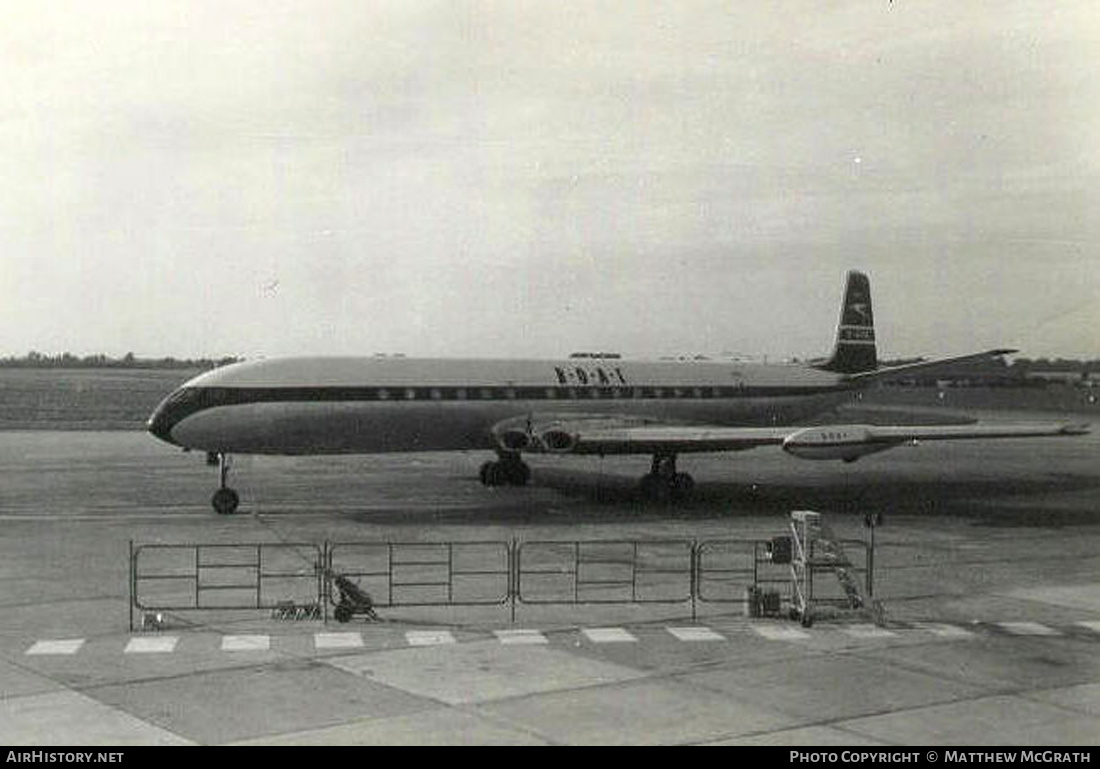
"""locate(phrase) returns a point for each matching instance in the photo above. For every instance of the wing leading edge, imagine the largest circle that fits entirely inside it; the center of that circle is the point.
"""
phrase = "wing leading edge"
(601, 435)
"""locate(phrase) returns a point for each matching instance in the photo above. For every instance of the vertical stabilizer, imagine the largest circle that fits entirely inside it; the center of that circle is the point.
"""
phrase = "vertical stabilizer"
(855, 350)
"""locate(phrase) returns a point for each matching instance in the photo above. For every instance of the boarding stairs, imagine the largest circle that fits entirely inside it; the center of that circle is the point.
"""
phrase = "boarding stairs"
(817, 549)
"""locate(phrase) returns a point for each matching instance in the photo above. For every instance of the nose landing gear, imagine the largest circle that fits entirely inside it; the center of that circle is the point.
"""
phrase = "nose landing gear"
(225, 500)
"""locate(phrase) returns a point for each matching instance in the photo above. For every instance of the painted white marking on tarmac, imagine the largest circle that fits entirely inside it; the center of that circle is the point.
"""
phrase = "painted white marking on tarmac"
(518, 637)
(867, 631)
(780, 633)
(1028, 628)
(164, 644)
(429, 637)
(943, 630)
(246, 643)
(1092, 625)
(337, 640)
(66, 646)
(608, 635)
(695, 634)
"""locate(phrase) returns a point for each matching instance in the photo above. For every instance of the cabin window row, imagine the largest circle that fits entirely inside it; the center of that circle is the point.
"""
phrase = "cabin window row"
(543, 393)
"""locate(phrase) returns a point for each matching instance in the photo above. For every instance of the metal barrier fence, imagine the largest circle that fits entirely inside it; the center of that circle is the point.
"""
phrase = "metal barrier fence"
(166, 577)
(257, 575)
(425, 573)
(604, 571)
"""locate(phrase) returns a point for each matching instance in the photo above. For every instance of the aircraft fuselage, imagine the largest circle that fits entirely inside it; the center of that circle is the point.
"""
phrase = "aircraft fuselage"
(370, 405)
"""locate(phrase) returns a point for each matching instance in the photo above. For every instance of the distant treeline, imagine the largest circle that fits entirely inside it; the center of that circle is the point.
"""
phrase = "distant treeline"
(35, 359)
(1057, 364)
(1017, 366)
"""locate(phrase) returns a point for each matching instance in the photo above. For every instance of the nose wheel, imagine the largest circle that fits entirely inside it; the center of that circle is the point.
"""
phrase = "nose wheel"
(225, 500)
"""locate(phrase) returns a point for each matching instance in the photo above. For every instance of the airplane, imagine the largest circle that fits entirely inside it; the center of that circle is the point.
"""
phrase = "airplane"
(592, 404)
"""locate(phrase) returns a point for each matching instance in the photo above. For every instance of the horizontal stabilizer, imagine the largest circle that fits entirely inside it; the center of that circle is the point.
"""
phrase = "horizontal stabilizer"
(926, 366)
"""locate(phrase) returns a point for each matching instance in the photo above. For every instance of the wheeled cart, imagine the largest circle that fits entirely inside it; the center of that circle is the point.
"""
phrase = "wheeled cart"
(353, 600)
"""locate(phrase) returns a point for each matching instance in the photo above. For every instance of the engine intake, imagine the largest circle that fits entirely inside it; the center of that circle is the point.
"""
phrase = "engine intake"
(558, 441)
(514, 440)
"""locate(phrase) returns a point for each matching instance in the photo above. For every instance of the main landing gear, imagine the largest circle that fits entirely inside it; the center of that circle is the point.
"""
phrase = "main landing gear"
(663, 483)
(225, 500)
(509, 470)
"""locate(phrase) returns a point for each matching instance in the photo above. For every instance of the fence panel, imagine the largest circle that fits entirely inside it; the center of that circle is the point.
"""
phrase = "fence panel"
(425, 573)
(725, 568)
(604, 571)
(260, 575)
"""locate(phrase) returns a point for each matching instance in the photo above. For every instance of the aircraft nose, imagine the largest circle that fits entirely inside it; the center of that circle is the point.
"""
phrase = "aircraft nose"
(164, 418)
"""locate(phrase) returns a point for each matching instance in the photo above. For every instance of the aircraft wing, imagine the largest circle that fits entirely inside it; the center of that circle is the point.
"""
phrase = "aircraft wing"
(658, 439)
(620, 435)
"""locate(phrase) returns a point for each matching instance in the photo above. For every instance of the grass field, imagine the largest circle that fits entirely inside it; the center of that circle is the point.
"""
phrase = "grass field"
(122, 399)
(83, 399)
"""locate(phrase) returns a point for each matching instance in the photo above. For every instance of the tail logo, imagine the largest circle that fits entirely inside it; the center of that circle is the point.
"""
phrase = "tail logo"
(857, 310)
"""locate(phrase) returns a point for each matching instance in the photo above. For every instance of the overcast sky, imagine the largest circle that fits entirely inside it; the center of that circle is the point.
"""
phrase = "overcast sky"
(532, 178)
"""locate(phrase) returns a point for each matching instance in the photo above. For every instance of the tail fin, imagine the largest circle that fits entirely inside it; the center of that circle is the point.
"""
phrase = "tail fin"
(855, 350)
